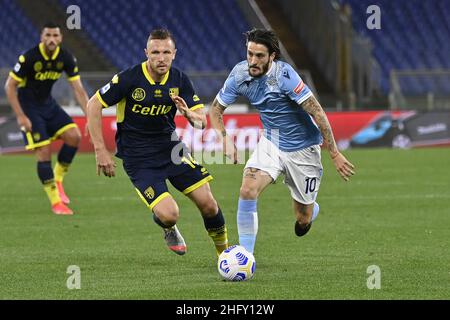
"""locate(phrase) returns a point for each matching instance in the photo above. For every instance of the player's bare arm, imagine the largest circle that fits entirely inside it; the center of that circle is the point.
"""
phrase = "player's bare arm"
(103, 158)
(11, 93)
(196, 118)
(81, 97)
(216, 117)
(343, 166)
(80, 94)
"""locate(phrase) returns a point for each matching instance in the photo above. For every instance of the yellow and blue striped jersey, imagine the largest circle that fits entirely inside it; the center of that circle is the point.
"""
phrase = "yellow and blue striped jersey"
(146, 112)
(37, 72)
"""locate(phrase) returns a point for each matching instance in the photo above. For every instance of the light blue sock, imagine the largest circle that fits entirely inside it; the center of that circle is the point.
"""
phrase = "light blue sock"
(247, 222)
(315, 211)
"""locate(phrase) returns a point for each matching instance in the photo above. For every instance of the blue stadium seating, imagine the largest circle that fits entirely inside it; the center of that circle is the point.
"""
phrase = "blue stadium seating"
(17, 33)
(415, 34)
(208, 33)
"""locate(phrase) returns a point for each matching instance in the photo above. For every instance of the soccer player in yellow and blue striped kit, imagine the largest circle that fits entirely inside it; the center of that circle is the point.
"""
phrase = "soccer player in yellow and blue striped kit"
(148, 96)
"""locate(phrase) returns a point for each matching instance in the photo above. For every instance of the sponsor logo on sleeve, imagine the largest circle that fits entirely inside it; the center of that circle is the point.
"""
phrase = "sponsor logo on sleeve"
(105, 88)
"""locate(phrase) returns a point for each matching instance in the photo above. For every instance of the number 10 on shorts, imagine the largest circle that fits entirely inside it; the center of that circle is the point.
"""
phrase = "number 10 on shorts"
(310, 185)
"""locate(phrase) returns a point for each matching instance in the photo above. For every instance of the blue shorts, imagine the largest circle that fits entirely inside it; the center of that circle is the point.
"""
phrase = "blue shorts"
(48, 121)
(150, 182)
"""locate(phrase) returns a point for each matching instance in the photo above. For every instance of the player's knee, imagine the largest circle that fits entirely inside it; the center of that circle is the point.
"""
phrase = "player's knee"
(73, 138)
(248, 193)
(209, 208)
(44, 153)
(169, 218)
(77, 137)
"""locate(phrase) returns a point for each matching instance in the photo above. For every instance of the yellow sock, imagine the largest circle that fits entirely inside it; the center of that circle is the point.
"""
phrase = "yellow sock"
(220, 238)
(60, 171)
(52, 192)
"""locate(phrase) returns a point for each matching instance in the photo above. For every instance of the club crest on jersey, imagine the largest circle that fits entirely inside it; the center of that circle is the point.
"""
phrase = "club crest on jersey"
(271, 81)
(174, 92)
(37, 66)
(59, 65)
(149, 192)
(138, 94)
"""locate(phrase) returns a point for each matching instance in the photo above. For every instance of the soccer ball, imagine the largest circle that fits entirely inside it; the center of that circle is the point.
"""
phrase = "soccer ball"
(236, 264)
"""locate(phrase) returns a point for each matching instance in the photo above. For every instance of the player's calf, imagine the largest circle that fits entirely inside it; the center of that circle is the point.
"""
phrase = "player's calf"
(217, 230)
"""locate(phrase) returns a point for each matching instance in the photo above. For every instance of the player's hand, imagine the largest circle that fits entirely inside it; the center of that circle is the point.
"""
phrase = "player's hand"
(343, 166)
(230, 150)
(86, 130)
(24, 123)
(181, 105)
(105, 163)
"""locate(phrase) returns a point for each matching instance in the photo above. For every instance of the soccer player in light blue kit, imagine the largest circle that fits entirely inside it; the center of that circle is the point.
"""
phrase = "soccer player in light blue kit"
(291, 140)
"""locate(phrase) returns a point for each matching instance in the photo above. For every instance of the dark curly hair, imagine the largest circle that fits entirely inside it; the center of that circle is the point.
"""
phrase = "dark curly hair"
(265, 37)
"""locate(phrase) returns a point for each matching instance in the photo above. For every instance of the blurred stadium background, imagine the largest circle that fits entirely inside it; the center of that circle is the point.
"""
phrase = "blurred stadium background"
(403, 66)
(350, 66)
(381, 87)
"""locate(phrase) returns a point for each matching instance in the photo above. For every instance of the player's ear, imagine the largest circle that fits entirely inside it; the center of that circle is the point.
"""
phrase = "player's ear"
(272, 56)
(174, 54)
(146, 52)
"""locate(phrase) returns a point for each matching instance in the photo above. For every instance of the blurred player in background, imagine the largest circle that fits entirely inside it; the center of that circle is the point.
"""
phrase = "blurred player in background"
(291, 141)
(42, 120)
(148, 96)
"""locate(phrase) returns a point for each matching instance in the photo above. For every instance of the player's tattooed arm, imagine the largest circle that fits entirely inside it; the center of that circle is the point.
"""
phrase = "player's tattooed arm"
(216, 117)
(216, 114)
(313, 107)
(343, 166)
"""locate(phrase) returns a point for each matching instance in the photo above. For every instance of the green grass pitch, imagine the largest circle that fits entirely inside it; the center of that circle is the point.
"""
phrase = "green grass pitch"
(395, 214)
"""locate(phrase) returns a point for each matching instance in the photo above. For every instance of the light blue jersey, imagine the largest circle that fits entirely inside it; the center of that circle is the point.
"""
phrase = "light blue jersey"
(277, 96)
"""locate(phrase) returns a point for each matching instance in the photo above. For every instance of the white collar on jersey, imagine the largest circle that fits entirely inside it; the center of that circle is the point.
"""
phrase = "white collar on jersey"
(272, 69)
